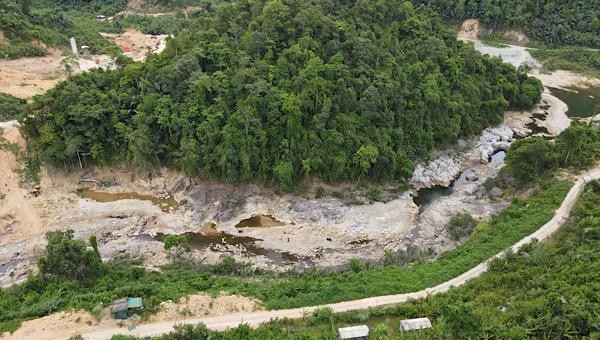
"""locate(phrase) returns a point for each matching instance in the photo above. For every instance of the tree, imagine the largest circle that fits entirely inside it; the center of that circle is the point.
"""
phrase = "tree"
(529, 158)
(69, 258)
(462, 320)
(365, 156)
(579, 145)
(69, 64)
(276, 91)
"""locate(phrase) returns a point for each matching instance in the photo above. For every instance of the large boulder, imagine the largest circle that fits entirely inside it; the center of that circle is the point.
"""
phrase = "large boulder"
(438, 172)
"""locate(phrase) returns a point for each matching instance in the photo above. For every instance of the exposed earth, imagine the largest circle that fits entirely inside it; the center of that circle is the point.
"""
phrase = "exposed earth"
(64, 324)
(136, 44)
(27, 77)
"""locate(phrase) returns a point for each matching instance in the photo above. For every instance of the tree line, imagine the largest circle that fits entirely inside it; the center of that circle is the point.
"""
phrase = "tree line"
(265, 90)
(555, 22)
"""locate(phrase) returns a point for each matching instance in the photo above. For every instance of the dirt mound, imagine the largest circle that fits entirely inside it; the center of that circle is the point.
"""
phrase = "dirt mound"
(204, 305)
(26, 77)
(19, 217)
(469, 30)
(136, 44)
(62, 325)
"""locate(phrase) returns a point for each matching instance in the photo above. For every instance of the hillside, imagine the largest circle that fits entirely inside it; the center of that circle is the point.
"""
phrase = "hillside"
(29, 27)
(265, 90)
(549, 22)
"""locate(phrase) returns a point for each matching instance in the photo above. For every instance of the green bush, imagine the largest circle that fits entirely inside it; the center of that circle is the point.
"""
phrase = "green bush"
(177, 241)
(20, 49)
(69, 258)
(461, 225)
(320, 192)
(320, 315)
(12, 108)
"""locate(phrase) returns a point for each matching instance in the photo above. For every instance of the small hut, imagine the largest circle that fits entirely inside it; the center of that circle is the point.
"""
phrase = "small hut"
(354, 333)
(414, 324)
(123, 308)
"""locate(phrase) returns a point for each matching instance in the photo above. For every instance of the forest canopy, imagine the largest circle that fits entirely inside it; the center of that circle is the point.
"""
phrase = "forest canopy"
(555, 22)
(285, 90)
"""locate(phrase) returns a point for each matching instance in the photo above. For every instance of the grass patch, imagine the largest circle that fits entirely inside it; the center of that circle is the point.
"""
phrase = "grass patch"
(578, 59)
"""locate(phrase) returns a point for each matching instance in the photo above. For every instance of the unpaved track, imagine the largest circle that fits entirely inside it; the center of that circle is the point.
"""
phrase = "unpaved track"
(256, 318)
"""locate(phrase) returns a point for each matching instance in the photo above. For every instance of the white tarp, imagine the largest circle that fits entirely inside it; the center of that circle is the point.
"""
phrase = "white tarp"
(353, 332)
(415, 324)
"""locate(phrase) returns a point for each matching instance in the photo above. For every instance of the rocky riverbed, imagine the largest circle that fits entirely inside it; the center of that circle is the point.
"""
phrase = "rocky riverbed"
(128, 213)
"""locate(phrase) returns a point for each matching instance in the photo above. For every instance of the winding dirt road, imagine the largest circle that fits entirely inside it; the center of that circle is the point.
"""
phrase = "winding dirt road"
(256, 318)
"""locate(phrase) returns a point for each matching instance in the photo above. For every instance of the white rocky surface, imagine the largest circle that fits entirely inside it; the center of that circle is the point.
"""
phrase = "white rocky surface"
(438, 172)
(494, 139)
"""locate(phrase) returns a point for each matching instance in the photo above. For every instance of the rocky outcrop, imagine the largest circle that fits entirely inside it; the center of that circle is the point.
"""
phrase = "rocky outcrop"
(445, 169)
(494, 139)
(438, 172)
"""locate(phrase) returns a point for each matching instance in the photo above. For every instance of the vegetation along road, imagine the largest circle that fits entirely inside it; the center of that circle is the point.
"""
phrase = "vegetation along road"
(256, 318)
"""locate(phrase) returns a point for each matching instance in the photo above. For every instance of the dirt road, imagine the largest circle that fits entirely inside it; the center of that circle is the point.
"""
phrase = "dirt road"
(256, 318)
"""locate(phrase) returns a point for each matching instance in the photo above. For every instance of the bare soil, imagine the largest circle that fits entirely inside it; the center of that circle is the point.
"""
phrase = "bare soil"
(26, 77)
(136, 44)
(565, 79)
(64, 324)
(469, 29)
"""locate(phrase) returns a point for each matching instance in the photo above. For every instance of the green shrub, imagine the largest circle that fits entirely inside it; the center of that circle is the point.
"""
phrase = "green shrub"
(20, 50)
(375, 195)
(12, 108)
(461, 225)
(355, 265)
(69, 258)
(177, 241)
(321, 315)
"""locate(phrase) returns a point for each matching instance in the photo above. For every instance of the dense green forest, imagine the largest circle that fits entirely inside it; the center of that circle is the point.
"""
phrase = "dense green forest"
(26, 25)
(545, 291)
(268, 90)
(555, 22)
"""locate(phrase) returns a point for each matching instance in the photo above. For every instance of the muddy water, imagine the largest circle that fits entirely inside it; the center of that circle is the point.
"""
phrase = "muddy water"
(259, 221)
(582, 103)
(202, 241)
(165, 204)
(426, 196)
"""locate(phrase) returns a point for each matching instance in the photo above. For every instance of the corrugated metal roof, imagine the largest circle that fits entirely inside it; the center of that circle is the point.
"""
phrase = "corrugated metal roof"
(135, 303)
(119, 305)
(353, 332)
(414, 324)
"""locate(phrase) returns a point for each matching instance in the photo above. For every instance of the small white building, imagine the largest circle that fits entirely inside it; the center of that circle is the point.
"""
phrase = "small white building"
(414, 324)
(354, 333)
